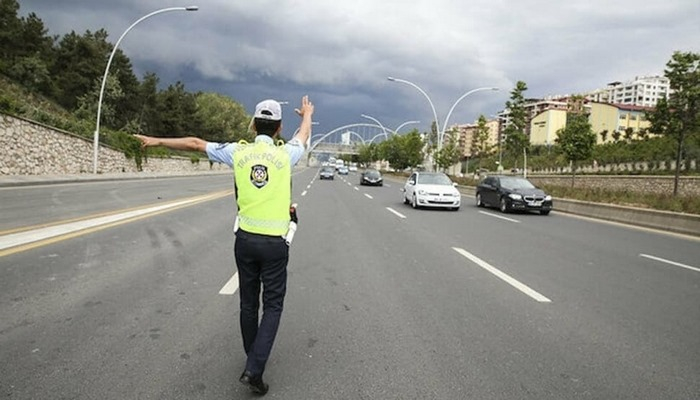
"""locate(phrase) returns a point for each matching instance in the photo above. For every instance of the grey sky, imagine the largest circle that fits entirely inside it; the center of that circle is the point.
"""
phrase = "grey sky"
(340, 53)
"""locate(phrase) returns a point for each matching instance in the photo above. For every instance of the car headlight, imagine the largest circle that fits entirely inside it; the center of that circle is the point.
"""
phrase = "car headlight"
(515, 196)
(421, 191)
(547, 198)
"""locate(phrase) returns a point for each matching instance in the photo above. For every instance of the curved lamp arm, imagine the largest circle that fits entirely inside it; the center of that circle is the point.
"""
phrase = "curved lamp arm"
(109, 62)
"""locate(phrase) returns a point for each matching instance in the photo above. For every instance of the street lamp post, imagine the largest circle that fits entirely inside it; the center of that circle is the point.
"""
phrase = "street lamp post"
(432, 106)
(386, 135)
(104, 78)
(441, 135)
(404, 124)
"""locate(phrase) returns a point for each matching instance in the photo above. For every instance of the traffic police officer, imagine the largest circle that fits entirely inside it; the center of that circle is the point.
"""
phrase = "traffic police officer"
(262, 176)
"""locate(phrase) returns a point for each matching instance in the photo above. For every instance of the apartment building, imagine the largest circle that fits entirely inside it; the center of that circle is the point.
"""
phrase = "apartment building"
(605, 119)
(534, 107)
(464, 135)
(644, 91)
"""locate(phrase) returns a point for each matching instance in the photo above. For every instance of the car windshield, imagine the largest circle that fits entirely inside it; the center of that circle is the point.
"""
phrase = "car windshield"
(516, 183)
(327, 169)
(434, 179)
(372, 173)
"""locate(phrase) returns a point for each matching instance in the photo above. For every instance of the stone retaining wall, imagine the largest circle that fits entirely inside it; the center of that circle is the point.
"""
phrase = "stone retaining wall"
(31, 148)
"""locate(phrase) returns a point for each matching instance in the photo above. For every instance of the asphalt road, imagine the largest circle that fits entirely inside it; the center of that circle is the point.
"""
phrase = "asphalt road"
(383, 302)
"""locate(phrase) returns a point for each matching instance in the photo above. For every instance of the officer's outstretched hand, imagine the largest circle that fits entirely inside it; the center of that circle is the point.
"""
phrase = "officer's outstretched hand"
(307, 108)
(147, 141)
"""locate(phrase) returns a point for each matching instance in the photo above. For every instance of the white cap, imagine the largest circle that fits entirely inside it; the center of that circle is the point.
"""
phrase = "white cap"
(268, 109)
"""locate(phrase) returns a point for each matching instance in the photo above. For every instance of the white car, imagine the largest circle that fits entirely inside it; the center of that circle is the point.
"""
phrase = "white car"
(431, 189)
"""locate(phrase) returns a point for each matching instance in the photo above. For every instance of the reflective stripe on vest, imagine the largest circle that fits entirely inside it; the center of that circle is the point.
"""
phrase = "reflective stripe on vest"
(262, 173)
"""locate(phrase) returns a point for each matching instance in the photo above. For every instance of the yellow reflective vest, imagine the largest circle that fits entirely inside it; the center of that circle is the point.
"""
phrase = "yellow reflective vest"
(263, 178)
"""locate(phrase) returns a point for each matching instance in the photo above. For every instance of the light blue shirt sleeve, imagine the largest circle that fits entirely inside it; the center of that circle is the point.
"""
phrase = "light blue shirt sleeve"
(221, 152)
(295, 149)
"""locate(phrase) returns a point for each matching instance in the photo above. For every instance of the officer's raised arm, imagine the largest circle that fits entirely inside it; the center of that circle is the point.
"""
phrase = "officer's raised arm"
(305, 112)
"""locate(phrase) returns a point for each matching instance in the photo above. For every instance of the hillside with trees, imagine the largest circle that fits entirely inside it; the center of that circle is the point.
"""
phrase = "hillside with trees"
(56, 80)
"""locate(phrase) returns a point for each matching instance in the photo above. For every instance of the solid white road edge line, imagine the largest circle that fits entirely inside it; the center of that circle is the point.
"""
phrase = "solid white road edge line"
(670, 262)
(500, 216)
(35, 235)
(231, 286)
(398, 214)
(502, 275)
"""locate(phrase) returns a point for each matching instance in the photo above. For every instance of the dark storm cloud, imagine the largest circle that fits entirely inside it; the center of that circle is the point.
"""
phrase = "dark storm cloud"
(341, 53)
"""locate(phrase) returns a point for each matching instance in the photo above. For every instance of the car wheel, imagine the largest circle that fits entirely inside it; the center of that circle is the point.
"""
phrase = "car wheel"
(504, 205)
(544, 212)
(405, 200)
(478, 200)
(414, 201)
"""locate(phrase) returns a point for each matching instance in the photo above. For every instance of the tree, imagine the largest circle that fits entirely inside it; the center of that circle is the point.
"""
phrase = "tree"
(480, 140)
(515, 133)
(402, 151)
(576, 141)
(25, 49)
(176, 109)
(616, 135)
(679, 116)
(447, 156)
(10, 32)
(80, 60)
(367, 153)
(223, 120)
(87, 103)
(146, 116)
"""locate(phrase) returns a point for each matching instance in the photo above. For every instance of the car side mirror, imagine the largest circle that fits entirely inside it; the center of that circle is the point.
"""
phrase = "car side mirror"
(454, 184)
(402, 189)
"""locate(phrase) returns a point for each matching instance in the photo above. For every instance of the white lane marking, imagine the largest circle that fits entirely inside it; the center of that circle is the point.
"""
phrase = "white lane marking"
(368, 196)
(391, 210)
(231, 286)
(670, 262)
(356, 188)
(303, 193)
(35, 235)
(500, 216)
(387, 185)
(349, 184)
(308, 186)
(502, 275)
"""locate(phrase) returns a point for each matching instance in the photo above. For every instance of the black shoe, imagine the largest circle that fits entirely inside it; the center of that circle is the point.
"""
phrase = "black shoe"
(256, 385)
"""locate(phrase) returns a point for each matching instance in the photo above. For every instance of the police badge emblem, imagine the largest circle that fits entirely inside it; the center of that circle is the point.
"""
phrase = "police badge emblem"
(258, 175)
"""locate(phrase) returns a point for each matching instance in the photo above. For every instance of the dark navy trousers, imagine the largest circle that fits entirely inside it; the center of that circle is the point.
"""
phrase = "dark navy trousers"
(260, 259)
